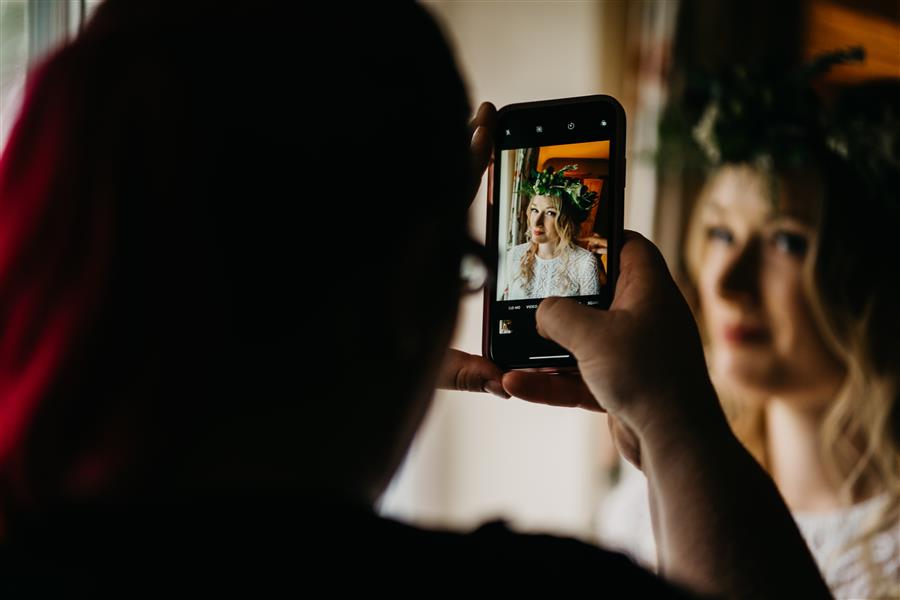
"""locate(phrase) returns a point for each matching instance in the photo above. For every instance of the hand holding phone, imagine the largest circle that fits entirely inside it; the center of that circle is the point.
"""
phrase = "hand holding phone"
(554, 220)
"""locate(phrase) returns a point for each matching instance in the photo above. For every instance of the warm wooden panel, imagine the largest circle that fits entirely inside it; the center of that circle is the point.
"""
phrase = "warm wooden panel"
(833, 25)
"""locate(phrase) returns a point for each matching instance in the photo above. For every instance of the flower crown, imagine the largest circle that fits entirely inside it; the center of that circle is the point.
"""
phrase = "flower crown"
(763, 115)
(571, 191)
(774, 118)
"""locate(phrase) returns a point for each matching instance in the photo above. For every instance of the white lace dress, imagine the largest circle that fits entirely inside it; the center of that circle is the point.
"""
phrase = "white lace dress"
(572, 273)
(829, 536)
(623, 523)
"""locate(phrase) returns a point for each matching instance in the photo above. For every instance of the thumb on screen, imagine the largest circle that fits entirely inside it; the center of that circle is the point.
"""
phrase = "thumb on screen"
(569, 324)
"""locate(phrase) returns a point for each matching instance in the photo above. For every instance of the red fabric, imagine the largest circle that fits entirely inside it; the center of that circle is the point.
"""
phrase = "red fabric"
(55, 239)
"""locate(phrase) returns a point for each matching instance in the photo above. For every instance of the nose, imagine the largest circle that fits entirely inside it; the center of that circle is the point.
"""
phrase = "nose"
(539, 220)
(739, 279)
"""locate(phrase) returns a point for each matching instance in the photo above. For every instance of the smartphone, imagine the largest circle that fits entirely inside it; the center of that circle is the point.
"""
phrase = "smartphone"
(554, 220)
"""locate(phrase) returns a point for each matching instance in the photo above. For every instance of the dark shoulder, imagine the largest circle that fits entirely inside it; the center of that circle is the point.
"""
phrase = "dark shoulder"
(299, 544)
(495, 553)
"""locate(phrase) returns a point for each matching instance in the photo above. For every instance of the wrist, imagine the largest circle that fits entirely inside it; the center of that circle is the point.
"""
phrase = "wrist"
(694, 421)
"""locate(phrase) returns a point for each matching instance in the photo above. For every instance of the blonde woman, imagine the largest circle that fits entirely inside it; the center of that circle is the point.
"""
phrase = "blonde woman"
(793, 270)
(550, 263)
(800, 367)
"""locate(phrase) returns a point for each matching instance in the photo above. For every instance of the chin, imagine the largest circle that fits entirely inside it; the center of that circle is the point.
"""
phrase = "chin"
(755, 375)
(749, 375)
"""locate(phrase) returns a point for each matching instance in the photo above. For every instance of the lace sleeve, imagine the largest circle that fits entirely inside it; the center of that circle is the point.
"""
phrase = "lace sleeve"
(588, 277)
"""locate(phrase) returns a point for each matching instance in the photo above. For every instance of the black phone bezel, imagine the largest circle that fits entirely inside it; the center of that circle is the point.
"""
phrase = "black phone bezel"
(516, 128)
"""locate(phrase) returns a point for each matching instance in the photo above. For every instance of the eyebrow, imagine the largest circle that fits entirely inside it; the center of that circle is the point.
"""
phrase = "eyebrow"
(714, 207)
(790, 212)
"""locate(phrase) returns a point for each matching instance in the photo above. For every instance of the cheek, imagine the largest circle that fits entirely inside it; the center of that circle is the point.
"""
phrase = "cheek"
(797, 332)
(788, 312)
(706, 289)
(799, 343)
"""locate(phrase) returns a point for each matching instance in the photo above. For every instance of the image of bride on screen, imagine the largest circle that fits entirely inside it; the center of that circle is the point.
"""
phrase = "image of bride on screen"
(549, 262)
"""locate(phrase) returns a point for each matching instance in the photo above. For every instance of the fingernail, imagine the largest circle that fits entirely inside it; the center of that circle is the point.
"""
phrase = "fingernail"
(478, 131)
(494, 387)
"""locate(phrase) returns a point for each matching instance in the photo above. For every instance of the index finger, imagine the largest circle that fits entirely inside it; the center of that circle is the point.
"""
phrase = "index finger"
(485, 116)
(566, 390)
(482, 144)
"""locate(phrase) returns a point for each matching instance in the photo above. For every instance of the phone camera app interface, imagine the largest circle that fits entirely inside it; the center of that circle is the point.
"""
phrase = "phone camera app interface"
(553, 231)
(552, 223)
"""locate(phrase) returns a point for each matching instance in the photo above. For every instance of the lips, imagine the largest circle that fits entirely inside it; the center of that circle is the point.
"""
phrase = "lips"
(537, 231)
(745, 334)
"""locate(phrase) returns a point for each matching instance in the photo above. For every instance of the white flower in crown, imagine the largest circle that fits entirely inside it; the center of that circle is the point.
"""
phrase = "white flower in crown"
(704, 133)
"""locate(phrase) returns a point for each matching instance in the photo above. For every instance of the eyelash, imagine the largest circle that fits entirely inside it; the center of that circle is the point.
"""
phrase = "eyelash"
(550, 213)
(785, 241)
(719, 233)
(792, 243)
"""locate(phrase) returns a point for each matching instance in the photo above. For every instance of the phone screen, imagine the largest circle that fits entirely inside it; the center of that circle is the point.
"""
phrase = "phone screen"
(555, 221)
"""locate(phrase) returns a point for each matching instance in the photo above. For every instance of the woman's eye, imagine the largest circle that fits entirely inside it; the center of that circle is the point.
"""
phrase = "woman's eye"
(721, 234)
(790, 243)
(551, 213)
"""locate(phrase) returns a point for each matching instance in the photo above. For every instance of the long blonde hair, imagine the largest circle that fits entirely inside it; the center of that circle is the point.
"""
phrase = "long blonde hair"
(849, 282)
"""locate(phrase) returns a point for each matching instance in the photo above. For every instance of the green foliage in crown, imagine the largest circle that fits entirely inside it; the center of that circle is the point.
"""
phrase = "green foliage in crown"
(575, 196)
(772, 117)
(752, 115)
